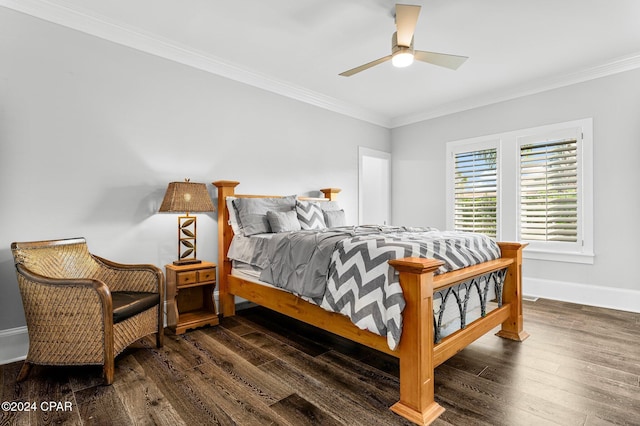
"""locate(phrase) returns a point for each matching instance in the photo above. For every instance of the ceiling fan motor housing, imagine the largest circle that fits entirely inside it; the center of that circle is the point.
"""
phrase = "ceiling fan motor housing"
(395, 48)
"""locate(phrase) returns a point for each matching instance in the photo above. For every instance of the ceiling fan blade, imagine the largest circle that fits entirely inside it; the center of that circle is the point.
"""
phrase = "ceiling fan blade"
(406, 20)
(356, 70)
(441, 59)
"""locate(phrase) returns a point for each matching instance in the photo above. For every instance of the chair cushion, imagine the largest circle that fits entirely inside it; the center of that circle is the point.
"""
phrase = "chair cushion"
(129, 303)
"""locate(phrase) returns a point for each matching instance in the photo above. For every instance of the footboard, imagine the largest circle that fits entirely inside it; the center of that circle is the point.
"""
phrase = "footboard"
(418, 354)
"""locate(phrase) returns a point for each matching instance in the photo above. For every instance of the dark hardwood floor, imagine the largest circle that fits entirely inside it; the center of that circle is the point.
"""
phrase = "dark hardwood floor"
(581, 366)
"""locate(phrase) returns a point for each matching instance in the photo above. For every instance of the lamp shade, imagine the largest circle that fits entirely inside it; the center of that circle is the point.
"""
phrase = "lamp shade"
(186, 197)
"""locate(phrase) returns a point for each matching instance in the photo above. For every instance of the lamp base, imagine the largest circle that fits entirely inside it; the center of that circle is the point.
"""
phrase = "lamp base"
(186, 262)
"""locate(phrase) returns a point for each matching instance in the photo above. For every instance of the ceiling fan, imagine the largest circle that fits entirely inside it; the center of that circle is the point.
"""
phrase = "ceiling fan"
(402, 52)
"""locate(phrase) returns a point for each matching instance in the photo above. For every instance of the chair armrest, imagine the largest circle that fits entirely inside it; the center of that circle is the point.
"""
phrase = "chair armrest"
(76, 314)
(75, 291)
(131, 277)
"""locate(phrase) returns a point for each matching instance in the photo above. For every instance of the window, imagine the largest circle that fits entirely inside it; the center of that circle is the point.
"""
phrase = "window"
(549, 191)
(476, 185)
(531, 185)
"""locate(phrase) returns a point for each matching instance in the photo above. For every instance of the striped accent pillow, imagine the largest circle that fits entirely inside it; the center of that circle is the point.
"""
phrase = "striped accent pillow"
(310, 215)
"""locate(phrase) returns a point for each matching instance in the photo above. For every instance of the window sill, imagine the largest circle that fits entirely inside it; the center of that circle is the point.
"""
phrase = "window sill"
(559, 256)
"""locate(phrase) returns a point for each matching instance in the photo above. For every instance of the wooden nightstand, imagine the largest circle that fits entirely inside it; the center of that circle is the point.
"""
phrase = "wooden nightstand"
(190, 301)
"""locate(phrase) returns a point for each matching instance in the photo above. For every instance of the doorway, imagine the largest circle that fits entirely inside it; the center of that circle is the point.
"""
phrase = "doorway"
(374, 187)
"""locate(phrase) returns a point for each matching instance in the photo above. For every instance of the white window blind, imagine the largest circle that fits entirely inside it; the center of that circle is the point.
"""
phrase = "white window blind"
(475, 189)
(549, 191)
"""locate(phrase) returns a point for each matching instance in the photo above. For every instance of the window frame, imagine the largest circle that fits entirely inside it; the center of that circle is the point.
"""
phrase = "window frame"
(508, 174)
(465, 146)
(474, 186)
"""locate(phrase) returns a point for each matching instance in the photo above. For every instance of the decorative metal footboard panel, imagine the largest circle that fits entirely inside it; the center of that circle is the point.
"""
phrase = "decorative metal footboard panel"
(462, 293)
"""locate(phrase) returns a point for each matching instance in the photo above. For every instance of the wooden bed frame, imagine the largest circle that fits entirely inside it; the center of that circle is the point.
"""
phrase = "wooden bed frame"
(418, 354)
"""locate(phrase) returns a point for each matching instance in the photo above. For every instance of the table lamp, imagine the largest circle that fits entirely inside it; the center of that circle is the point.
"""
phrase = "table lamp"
(186, 197)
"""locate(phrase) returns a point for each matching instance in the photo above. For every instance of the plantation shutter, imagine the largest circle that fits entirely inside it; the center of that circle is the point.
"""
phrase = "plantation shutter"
(475, 187)
(549, 191)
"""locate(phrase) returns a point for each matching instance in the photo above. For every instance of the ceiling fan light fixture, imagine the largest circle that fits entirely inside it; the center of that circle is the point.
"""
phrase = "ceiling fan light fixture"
(402, 52)
(402, 58)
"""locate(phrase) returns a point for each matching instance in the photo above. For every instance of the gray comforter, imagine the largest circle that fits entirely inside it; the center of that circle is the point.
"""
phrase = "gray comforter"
(299, 261)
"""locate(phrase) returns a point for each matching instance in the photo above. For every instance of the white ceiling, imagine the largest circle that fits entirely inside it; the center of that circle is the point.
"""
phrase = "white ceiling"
(298, 47)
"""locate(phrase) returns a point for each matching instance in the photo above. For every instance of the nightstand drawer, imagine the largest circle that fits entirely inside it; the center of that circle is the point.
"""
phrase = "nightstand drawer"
(207, 275)
(190, 277)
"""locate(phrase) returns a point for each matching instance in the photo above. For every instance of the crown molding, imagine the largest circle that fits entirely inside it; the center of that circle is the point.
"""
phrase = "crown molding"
(102, 27)
(618, 65)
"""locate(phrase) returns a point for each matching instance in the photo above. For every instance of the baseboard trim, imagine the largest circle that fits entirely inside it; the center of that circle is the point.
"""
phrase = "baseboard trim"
(592, 295)
(14, 344)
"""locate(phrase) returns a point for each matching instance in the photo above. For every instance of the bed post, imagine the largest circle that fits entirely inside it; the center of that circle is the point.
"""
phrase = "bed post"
(226, 188)
(331, 193)
(416, 345)
(512, 328)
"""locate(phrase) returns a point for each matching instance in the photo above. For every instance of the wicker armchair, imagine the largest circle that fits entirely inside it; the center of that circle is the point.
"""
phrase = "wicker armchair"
(82, 309)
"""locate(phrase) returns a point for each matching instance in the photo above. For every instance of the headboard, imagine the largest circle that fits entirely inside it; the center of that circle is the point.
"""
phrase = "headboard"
(227, 188)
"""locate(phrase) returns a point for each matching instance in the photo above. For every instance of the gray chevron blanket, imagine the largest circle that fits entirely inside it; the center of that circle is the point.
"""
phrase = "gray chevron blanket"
(345, 269)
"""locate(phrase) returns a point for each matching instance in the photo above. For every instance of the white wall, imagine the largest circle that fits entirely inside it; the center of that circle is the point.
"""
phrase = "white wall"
(614, 104)
(92, 132)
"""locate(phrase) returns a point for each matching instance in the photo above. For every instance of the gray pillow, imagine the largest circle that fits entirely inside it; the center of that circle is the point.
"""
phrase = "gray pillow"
(310, 215)
(334, 218)
(233, 216)
(283, 221)
(252, 212)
